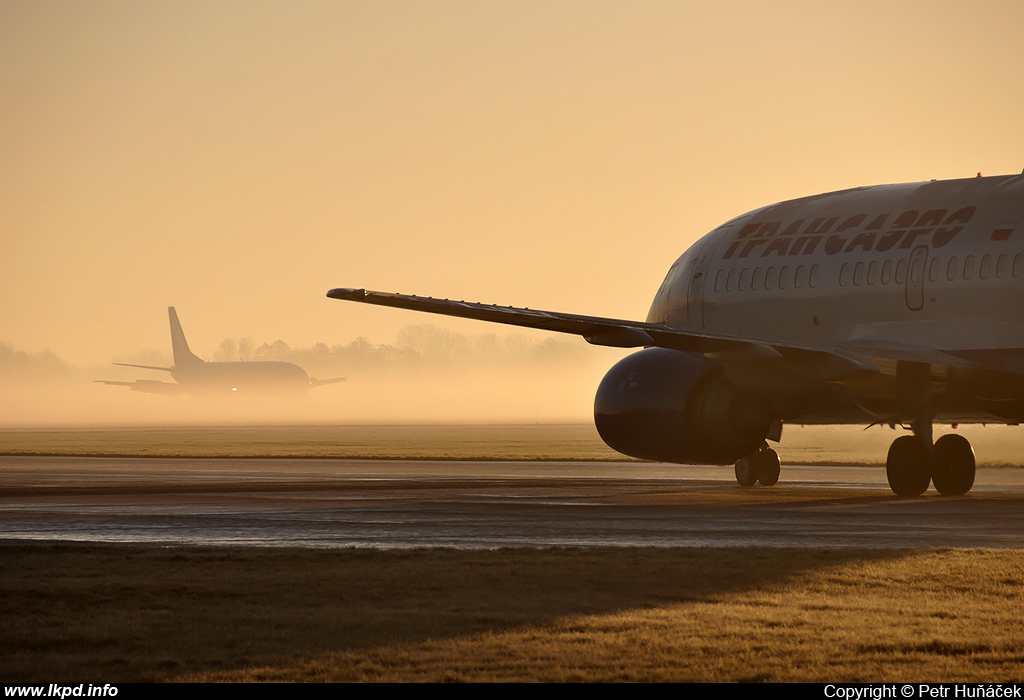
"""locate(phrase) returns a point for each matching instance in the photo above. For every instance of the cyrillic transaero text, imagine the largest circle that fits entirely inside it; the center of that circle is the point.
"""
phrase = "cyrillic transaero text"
(859, 232)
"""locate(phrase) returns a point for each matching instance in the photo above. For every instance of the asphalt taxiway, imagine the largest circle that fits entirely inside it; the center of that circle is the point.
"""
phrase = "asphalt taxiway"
(485, 504)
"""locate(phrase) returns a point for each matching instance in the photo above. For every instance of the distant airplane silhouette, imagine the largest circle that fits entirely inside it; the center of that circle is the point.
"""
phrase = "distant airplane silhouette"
(195, 376)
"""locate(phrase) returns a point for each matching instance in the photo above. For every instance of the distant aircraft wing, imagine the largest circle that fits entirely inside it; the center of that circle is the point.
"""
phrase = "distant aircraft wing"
(313, 381)
(819, 363)
(148, 386)
(162, 369)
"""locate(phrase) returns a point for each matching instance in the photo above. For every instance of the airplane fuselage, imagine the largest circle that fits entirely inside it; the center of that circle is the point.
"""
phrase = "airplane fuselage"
(937, 266)
(241, 377)
(843, 265)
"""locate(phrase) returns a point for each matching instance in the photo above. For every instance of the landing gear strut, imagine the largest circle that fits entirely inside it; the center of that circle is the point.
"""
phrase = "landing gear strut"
(762, 466)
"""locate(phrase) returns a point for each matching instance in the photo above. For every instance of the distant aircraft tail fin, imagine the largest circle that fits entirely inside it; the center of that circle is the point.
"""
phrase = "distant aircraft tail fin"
(182, 355)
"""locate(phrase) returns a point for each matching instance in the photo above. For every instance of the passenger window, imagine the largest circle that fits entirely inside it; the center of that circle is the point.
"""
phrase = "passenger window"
(872, 272)
(951, 269)
(755, 281)
(844, 275)
(744, 278)
(718, 281)
(933, 269)
(968, 267)
(784, 277)
(1018, 264)
(1001, 264)
(901, 272)
(769, 278)
(886, 272)
(986, 267)
(798, 278)
(812, 281)
(858, 274)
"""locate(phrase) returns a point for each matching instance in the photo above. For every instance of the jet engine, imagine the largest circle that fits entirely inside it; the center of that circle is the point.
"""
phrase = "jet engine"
(673, 406)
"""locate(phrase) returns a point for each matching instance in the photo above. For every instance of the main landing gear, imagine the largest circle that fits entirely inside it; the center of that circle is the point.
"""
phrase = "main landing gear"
(761, 467)
(913, 462)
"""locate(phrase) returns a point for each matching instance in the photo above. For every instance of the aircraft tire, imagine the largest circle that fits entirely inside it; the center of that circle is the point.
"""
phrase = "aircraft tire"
(953, 465)
(746, 470)
(769, 467)
(907, 466)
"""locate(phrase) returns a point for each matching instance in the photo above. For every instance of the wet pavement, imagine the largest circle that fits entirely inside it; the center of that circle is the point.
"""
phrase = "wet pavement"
(487, 504)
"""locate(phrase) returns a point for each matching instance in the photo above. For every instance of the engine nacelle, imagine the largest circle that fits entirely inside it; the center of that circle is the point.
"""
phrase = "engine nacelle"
(673, 406)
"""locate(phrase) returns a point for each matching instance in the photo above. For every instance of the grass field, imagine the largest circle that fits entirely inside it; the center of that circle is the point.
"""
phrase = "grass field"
(570, 442)
(97, 613)
(124, 613)
(995, 445)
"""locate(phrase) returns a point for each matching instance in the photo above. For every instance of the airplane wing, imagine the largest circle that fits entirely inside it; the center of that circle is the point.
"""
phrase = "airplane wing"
(313, 381)
(148, 386)
(162, 369)
(812, 362)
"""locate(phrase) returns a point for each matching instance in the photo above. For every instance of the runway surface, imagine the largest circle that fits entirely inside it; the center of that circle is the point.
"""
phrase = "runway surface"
(466, 504)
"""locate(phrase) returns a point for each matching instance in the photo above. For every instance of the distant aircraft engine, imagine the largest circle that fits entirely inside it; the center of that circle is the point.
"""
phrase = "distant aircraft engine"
(672, 406)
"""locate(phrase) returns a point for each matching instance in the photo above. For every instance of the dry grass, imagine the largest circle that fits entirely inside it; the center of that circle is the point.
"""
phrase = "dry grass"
(122, 613)
(821, 445)
(568, 442)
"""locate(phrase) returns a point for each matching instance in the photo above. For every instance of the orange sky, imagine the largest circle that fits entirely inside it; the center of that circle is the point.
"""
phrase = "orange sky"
(238, 159)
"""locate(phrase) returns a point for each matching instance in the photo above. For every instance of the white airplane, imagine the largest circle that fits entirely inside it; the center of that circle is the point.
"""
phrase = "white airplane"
(893, 304)
(193, 375)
